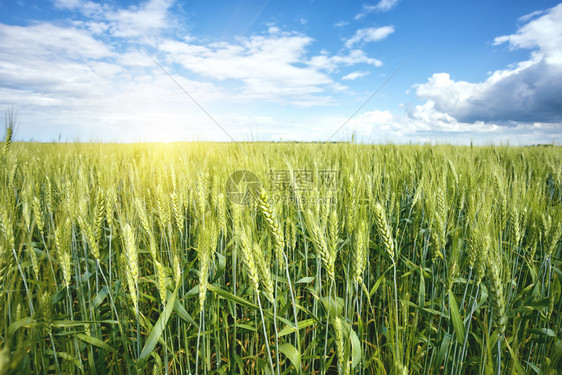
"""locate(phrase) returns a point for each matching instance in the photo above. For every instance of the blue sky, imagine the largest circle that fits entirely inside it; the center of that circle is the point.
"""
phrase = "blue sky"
(480, 71)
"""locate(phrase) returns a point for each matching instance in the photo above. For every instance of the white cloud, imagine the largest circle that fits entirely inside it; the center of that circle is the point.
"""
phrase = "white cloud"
(80, 81)
(354, 75)
(381, 6)
(371, 34)
(144, 20)
(63, 80)
(84, 81)
(264, 64)
(273, 67)
(385, 5)
(424, 123)
(134, 58)
(543, 34)
(531, 15)
(331, 63)
(86, 7)
(54, 65)
(528, 92)
(40, 40)
(380, 121)
(67, 4)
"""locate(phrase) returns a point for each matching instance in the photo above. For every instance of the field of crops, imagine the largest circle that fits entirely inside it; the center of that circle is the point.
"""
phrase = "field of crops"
(280, 258)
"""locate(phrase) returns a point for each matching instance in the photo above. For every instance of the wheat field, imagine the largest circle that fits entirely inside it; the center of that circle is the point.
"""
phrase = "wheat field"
(318, 259)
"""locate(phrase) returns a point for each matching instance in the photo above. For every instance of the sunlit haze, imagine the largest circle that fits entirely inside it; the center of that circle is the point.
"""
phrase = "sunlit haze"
(442, 72)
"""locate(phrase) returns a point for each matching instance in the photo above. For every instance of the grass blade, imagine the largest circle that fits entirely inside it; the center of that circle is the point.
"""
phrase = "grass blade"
(292, 353)
(456, 318)
(159, 327)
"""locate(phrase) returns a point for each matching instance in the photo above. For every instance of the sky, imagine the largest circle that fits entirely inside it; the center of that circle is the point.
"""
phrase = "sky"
(383, 71)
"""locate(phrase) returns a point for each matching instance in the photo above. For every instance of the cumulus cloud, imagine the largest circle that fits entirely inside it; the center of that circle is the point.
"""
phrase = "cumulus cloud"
(381, 6)
(371, 34)
(65, 80)
(49, 60)
(377, 120)
(542, 34)
(529, 91)
(423, 123)
(93, 76)
(428, 123)
(273, 67)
